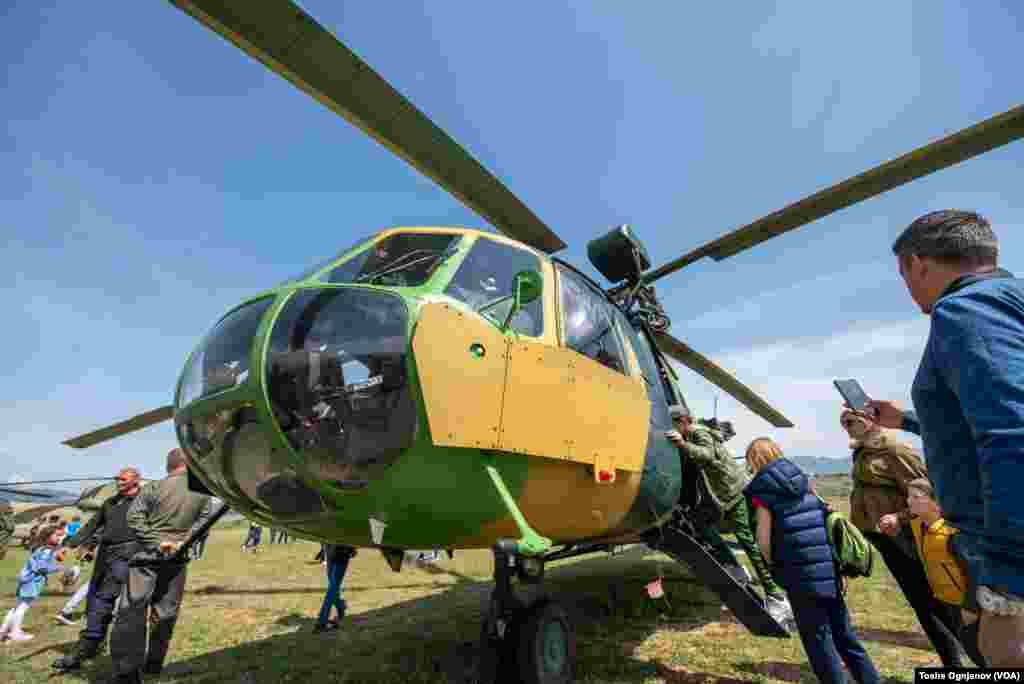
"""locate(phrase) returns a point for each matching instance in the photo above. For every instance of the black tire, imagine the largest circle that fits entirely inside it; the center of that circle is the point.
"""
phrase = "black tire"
(546, 645)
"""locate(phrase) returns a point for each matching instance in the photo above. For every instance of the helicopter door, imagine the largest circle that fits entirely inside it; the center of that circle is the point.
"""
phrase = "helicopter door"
(461, 360)
(577, 402)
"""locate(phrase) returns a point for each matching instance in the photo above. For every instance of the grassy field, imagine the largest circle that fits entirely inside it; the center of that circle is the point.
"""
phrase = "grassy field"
(247, 619)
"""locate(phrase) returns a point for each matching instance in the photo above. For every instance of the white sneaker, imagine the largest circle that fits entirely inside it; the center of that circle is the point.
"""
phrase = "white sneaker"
(20, 636)
(64, 619)
(4, 629)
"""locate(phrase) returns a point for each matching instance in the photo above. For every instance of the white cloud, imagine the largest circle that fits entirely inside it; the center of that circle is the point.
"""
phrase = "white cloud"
(795, 376)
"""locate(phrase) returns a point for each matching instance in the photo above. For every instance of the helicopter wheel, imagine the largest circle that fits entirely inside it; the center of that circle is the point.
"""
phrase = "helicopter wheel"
(547, 645)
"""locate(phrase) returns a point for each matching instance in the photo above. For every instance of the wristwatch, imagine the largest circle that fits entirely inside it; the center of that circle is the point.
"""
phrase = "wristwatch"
(1000, 603)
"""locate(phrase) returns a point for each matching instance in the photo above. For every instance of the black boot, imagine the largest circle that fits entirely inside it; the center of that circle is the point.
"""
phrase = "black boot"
(133, 678)
(86, 649)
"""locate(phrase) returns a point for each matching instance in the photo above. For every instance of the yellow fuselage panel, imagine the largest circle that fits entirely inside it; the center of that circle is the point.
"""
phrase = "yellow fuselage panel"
(537, 401)
(568, 415)
(561, 404)
(561, 501)
(461, 363)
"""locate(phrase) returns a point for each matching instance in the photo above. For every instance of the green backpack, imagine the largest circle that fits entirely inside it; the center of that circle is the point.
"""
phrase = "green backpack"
(853, 553)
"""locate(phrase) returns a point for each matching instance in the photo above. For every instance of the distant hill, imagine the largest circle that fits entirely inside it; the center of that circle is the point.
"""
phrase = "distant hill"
(823, 466)
(58, 495)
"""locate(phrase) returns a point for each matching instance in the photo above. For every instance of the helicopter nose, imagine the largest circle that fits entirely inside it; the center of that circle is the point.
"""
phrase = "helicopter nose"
(337, 406)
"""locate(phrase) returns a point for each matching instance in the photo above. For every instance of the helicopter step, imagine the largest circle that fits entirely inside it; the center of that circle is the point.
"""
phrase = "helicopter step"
(747, 607)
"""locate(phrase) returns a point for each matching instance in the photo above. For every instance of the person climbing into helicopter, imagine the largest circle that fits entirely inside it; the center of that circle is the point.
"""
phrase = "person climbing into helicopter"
(721, 505)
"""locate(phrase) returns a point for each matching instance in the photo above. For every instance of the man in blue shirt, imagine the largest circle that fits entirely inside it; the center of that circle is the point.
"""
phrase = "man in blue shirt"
(969, 400)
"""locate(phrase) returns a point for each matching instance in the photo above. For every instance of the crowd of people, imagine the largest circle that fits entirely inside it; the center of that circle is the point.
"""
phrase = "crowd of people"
(137, 581)
(950, 532)
(946, 525)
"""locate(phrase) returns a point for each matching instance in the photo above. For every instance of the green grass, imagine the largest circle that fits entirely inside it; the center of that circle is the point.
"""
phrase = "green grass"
(247, 618)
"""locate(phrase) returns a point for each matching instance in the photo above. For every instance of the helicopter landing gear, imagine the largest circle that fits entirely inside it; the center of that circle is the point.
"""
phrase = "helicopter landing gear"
(521, 641)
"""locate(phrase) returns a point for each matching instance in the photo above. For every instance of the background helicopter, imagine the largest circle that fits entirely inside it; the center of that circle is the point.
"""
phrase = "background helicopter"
(37, 503)
(506, 224)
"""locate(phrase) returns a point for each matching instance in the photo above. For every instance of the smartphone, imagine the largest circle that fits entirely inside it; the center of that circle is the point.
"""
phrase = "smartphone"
(853, 394)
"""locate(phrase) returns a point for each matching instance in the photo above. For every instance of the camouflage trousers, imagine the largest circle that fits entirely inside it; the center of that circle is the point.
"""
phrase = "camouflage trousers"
(740, 520)
(159, 589)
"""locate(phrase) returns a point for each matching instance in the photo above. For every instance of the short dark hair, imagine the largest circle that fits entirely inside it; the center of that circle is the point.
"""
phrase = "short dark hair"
(952, 236)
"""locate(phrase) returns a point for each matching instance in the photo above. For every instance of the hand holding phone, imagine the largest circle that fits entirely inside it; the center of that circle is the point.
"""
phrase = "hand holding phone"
(854, 395)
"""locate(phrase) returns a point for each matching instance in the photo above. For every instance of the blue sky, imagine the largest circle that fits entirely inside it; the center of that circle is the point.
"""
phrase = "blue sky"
(151, 176)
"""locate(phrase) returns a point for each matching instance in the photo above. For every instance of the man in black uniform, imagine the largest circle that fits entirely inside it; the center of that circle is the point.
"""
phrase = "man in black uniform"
(110, 572)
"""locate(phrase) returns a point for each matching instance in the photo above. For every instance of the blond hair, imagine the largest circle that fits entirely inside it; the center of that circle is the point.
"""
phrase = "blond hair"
(924, 486)
(761, 452)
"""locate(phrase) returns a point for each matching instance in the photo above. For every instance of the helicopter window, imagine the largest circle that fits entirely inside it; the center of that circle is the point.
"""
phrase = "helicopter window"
(399, 260)
(484, 282)
(320, 265)
(222, 360)
(587, 322)
(337, 383)
(648, 366)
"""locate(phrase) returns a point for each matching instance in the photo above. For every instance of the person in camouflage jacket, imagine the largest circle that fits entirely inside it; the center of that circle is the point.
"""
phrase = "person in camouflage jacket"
(882, 469)
(720, 481)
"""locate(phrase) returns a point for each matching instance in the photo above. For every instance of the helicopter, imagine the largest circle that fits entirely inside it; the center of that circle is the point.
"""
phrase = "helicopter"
(27, 520)
(439, 387)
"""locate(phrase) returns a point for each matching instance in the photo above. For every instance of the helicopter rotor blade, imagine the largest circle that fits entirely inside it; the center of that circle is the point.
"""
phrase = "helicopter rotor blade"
(291, 43)
(143, 420)
(994, 132)
(709, 370)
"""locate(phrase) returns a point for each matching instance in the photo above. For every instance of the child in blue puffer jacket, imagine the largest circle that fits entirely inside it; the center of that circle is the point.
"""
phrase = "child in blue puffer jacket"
(792, 537)
(31, 580)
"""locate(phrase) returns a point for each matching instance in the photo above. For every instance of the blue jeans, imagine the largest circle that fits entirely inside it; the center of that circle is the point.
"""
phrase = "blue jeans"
(827, 636)
(336, 570)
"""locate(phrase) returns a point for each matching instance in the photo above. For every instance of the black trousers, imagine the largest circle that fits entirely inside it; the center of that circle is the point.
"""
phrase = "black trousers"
(940, 621)
(110, 573)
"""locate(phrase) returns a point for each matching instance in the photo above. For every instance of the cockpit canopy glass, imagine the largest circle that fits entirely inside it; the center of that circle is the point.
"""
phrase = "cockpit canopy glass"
(588, 321)
(320, 265)
(485, 279)
(399, 260)
(222, 360)
(337, 382)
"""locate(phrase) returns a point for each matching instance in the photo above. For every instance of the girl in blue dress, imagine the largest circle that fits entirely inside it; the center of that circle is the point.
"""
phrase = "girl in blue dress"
(43, 562)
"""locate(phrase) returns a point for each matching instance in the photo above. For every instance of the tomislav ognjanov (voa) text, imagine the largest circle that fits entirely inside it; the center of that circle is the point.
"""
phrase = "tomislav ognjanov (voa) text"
(956, 674)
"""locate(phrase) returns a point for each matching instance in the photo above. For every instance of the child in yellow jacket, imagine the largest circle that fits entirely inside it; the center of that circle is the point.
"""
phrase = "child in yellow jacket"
(944, 570)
